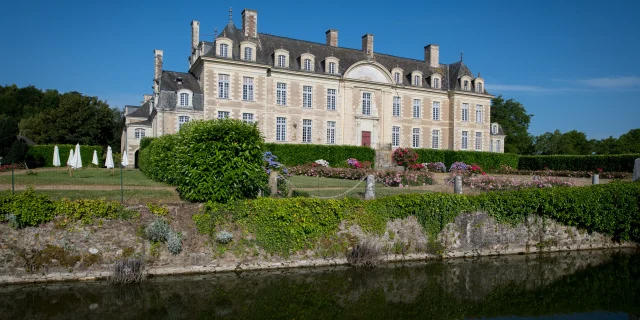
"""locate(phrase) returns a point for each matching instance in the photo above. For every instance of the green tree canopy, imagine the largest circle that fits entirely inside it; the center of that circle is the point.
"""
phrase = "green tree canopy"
(572, 142)
(513, 118)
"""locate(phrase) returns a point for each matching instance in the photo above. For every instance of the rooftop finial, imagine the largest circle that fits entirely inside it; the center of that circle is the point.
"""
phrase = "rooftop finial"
(461, 55)
(478, 74)
(230, 14)
(215, 33)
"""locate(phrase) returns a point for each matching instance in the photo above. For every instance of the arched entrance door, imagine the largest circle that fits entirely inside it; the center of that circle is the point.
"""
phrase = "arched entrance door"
(135, 159)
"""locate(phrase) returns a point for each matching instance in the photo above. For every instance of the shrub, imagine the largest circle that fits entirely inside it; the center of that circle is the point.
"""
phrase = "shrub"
(489, 183)
(145, 142)
(85, 210)
(28, 207)
(158, 230)
(608, 163)
(436, 167)
(301, 154)
(174, 243)
(158, 160)
(365, 254)
(224, 237)
(404, 156)
(42, 155)
(487, 160)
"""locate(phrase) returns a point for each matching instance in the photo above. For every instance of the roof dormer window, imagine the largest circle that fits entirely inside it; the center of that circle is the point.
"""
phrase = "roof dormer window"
(396, 77)
(331, 65)
(248, 50)
(281, 60)
(416, 77)
(436, 83)
(465, 85)
(494, 129)
(307, 64)
(248, 53)
(184, 98)
(479, 87)
(224, 50)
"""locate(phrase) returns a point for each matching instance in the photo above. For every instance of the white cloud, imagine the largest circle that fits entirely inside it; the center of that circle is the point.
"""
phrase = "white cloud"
(611, 82)
(525, 88)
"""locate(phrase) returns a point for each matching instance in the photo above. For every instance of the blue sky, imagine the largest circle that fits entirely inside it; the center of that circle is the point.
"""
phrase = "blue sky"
(573, 64)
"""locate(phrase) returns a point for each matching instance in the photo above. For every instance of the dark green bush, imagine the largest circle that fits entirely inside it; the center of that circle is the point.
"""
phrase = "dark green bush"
(158, 160)
(298, 154)
(145, 142)
(487, 160)
(42, 155)
(608, 163)
(285, 226)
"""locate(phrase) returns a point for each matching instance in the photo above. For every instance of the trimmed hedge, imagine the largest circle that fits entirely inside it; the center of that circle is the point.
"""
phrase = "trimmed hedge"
(299, 154)
(487, 160)
(217, 160)
(608, 163)
(42, 155)
(145, 142)
(285, 226)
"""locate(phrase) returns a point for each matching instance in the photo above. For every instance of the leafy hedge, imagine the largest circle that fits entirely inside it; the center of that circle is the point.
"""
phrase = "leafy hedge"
(145, 142)
(215, 160)
(42, 155)
(285, 226)
(609, 163)
(486, 160)
(30, 209)
(298, 154)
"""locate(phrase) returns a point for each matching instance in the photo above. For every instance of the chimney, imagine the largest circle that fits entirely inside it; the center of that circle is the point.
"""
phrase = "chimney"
(195, 34)
(432, 55)
(367, 44)
(332, 37)
(157, 69)
(250, 23)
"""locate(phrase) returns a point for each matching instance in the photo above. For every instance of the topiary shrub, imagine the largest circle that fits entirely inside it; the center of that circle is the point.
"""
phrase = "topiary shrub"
(224, 237)
(174, 243)
(158, 230)
(219, 160)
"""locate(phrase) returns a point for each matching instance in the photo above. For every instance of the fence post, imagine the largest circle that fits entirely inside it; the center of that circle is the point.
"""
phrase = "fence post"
(121, 186)
(273, 182)
(370, 191)
(595, 179)
(636, 170)
(13, 184)
(457, 186)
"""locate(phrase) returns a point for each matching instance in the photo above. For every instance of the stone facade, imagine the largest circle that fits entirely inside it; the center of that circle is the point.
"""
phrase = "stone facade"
(305, 92)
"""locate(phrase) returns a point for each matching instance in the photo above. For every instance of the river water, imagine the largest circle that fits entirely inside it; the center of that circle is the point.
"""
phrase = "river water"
(584, 285)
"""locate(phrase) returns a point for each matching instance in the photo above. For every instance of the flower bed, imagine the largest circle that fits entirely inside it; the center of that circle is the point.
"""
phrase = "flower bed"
(490, 183)
(390, 178)
(563, 173)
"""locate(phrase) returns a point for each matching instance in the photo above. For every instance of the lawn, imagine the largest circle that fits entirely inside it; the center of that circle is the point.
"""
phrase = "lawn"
(330, 187)
(130, 177)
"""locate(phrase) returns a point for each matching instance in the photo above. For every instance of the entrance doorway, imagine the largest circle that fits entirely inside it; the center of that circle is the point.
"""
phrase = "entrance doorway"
(135, 159)
(366, 139)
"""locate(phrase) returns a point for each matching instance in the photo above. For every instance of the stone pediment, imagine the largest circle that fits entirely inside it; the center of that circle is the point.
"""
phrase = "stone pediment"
(368, 71)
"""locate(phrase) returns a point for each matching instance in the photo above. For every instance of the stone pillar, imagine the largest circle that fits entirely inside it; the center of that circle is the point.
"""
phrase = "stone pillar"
(273, 182)
(370, 192)
(457, 185)
(636, 170)
(595, 179)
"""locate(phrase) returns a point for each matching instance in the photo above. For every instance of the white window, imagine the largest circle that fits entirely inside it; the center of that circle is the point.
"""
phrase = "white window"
(366, 103)
(435, 139)
(417, 105)
(223, 114)
(332, 67)
(247, 117)
(466, 85)
(465, 112)
(331, 99)
(139, 133)
(184, 99)
(248, 53)
(224, 50)
(478, 141)
(498, 146)
(281, 94)
(415, 141)
(491, 146)
(416, 80)
(331, 132)
(306, 130)
(396, 106)
(307, 96)
(307, 64)
(436, 110)
(223, 86)
(395, 136)
(396, 77)
(182, 120)
(436, 83)
(494, 129)
(282, 60)
(479, 113)
(247, 89)
(479, 87)
(281, 129)
(465, 140)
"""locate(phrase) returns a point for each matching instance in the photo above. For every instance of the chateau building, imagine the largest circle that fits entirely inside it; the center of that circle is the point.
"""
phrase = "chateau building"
(306, 92)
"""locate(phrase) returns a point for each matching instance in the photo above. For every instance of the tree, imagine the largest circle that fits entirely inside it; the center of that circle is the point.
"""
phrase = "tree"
(572, 142)
(513, 118)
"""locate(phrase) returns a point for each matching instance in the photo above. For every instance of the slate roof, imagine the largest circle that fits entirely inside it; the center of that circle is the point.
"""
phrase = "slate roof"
(500, 130)
(169, 82)
(267, 44)
(142, 111)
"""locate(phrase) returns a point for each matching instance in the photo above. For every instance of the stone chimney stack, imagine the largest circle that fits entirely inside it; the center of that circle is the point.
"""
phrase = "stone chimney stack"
(195, 34)
(432, 55)
(250, 23)
(332, 37)
(157, 69)
(367, 44)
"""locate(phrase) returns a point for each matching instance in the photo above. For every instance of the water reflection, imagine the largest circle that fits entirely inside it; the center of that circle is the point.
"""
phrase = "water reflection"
(587, 285)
